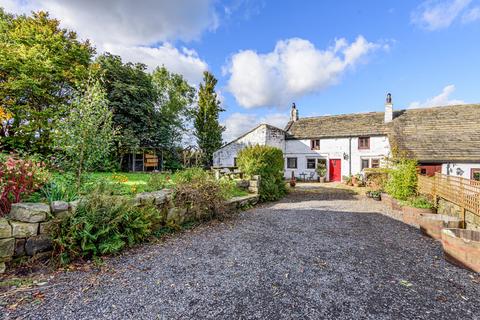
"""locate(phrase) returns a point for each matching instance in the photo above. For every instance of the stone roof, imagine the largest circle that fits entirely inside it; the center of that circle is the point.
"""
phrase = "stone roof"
(450, 133)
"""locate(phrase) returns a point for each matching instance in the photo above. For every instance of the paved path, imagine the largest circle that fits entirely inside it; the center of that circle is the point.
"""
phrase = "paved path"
(326, 255)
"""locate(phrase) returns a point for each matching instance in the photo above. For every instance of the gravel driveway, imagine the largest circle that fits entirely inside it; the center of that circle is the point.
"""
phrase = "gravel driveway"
(317, 254)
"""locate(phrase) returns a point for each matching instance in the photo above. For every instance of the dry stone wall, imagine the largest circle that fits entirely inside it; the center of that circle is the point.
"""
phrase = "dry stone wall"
(25, 231)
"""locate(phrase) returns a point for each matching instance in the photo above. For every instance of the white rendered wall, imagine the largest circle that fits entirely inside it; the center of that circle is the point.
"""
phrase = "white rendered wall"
(334, 148)
(263, 135)
(459, 169)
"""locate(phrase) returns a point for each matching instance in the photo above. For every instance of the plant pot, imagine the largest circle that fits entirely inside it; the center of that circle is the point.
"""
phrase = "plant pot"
(412, 215)
(432, 224)
(462, 247)
(377, 197)
(322, 179)
(293, 183)
(368, 194)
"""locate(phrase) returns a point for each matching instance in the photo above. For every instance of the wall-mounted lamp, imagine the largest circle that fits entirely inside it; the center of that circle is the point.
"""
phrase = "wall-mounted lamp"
(345, 156)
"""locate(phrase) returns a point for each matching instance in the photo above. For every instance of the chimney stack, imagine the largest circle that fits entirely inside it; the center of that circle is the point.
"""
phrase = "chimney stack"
(388, 109)
(294, 113)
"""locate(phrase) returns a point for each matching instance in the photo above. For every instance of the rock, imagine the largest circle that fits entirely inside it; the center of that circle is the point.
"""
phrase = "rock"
(5, 228)
(176, 215)
(24, 229)
(7, 247)
(3, 267)
(29, 212)
(156, 197)
(37, 244)
(19, 247)
(48, 227)
(59, 207)
(72, 207)
(244, 184)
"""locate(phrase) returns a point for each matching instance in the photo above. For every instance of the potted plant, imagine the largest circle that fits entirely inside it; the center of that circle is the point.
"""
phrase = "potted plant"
(293, 180)
(321, 172)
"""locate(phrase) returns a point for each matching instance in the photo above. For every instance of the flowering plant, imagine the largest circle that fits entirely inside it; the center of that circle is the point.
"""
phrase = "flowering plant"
(18, 178)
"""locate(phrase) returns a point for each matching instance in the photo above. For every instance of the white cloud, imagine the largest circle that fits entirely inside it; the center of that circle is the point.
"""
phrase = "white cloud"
(185, 62)
(140, 32)
(239, 123)
(443, 99)
(471, 15)
(440, 14)
(293, 69)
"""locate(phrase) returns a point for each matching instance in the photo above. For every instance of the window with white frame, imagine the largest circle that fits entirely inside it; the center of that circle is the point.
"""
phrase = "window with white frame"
(291, 163)
(311, 163)
(370, 163)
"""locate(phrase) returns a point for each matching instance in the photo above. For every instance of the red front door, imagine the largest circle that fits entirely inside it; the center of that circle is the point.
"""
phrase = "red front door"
(335, 169)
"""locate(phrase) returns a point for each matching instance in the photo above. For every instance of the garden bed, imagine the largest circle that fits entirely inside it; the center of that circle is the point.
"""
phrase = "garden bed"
(462, 247)
(432, 224)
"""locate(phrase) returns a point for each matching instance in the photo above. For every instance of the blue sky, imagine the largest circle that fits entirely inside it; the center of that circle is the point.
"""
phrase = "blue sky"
(328, 56)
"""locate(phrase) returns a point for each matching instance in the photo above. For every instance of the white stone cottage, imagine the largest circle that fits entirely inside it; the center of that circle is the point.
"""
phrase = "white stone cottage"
(442, 139)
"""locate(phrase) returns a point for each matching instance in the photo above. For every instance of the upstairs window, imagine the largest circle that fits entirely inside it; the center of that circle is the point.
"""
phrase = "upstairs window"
(315, 144)
(291, 163)
(364, 143)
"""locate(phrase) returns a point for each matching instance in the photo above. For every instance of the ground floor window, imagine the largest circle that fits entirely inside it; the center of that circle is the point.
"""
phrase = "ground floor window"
(475, 174)
(365, 163)
(311, 163)
(291, 163)
(234, 162)
(370, 163)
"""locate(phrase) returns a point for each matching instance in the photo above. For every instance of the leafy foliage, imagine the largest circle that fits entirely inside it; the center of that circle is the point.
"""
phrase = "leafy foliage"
(208, 130)
(41, 65)
(86, 134)
(18, 179)
(104, 224)
(402, 179)
(199, 192)
(418, 202)
(267, 162)
(60, 187)
(174, 97)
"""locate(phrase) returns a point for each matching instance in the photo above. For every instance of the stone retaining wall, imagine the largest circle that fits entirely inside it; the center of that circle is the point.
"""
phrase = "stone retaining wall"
(451, 209)
(25, 231)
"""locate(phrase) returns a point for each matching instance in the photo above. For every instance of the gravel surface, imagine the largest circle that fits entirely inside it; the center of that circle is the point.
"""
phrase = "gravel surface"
(316, 254)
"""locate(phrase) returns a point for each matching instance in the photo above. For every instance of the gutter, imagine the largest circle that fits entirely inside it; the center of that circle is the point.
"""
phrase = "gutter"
(350, 156)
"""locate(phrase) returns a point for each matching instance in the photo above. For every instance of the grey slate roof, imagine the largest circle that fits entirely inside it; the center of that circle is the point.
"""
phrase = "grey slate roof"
(439, 134)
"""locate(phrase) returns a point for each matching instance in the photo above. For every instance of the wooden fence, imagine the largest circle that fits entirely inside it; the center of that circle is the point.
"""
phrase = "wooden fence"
(463, 192)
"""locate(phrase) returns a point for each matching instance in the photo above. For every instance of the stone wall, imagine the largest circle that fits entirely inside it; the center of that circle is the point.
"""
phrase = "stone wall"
(451, 209)
(25, 231)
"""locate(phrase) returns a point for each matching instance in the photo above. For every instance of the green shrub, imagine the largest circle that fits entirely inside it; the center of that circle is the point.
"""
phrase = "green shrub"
(158, 181)
(402, 179)
(266, 162)
(57, 188)
(104, 224)
(420, 202)
(199, 192)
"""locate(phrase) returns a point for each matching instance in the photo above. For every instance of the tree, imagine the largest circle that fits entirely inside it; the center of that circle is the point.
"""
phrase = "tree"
(41, 65)
(86, 134)
(131, 97)
(172, 110)
(208, 130)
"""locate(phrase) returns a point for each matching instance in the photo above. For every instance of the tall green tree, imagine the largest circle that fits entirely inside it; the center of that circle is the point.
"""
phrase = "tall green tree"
(131, 97)
(173, 110)
(86, 134)
(208, 130)
(41, 65)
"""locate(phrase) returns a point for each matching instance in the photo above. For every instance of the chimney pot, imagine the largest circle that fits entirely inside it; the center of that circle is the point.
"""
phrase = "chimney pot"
(294, 113)
(388, 108)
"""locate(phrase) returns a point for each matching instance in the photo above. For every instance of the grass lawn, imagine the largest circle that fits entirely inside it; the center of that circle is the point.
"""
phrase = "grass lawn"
(135, 182)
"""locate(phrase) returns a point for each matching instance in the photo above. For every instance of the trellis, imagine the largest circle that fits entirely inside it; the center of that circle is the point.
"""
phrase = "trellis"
(465, 193)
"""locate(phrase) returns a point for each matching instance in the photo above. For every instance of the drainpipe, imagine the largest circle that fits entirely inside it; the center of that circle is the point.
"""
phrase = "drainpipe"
(350, 156)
